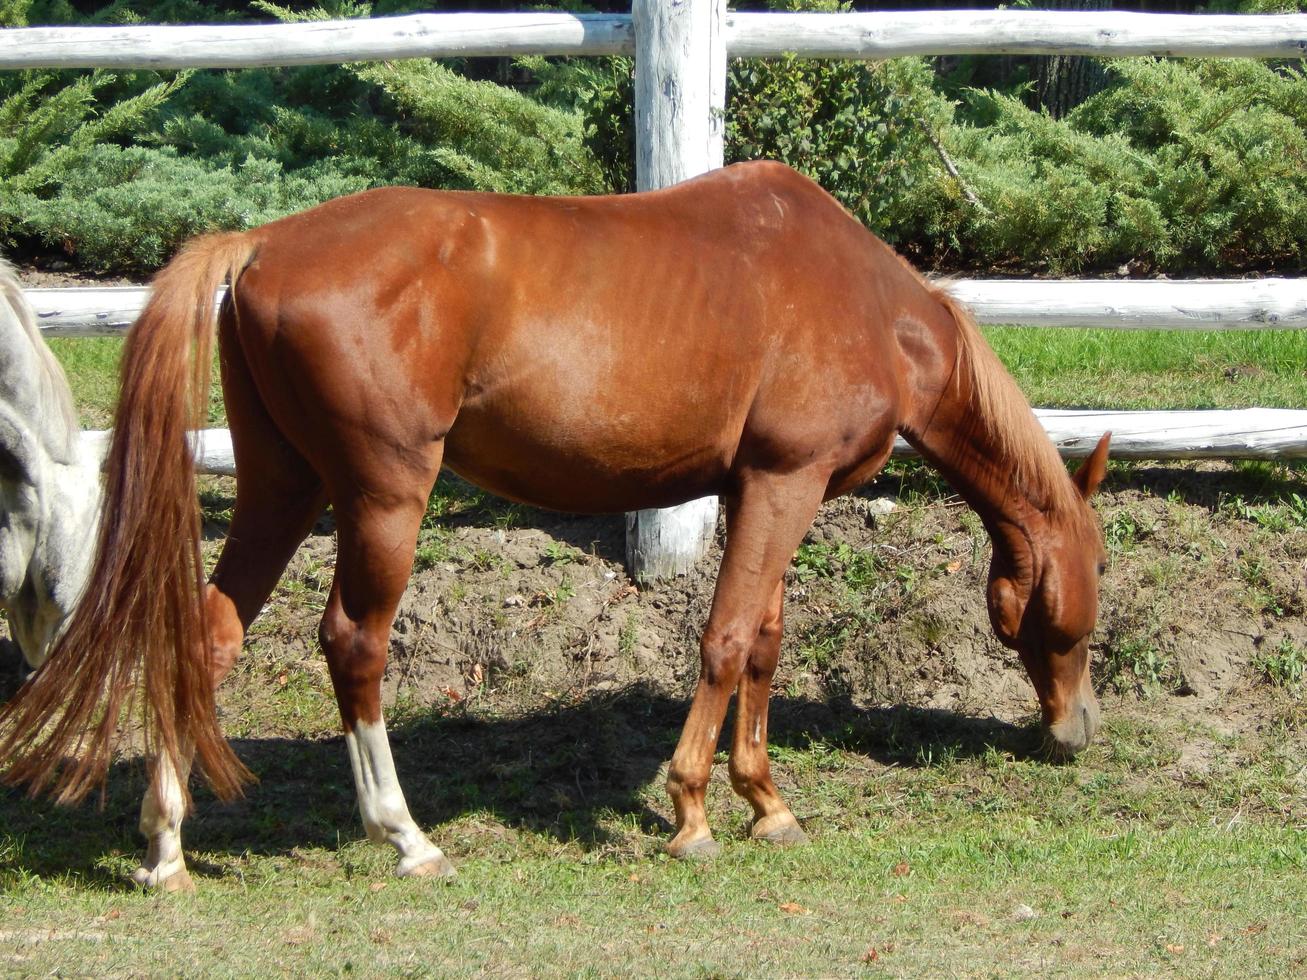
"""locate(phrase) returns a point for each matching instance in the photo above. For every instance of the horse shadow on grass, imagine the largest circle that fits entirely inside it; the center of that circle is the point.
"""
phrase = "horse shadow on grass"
(563, 772)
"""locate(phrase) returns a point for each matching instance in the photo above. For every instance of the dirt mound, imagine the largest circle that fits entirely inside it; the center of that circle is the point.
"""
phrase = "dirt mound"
(885, 604)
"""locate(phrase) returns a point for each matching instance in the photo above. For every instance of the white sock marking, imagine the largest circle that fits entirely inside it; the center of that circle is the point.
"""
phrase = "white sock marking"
(381, 801)
(162, 812)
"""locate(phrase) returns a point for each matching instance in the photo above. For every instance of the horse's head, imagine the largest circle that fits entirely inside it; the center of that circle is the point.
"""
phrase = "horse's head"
(47, 535)
(49, 485)
(1043, 603)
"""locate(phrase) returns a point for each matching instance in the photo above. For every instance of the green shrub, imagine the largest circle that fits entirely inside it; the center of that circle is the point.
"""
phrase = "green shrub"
(1182, 167)
(867, 132)
(116, 169)
(485, 136)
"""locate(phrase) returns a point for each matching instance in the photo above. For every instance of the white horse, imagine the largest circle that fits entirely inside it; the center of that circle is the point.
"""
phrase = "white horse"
(49, 483)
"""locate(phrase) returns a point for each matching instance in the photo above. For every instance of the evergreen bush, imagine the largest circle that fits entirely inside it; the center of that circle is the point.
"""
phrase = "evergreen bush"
(115, 170)
(1183, 167)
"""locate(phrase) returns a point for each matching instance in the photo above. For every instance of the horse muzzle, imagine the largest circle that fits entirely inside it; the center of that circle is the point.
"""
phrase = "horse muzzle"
(1076, 728)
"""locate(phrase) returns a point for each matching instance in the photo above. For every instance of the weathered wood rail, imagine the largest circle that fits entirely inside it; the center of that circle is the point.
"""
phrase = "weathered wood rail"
(1210, 304)
(876, 35)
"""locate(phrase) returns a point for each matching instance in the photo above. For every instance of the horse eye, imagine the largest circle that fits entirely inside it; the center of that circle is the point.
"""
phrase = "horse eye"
(1102, 567)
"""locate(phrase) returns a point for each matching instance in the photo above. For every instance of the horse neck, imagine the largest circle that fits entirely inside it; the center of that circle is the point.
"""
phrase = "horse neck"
(972, 423)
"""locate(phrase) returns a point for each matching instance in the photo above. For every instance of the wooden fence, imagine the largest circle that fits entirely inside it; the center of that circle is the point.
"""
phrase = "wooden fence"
(680, 49)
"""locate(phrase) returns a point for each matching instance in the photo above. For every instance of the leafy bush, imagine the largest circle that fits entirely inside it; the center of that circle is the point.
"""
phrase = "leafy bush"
(1180, 165)
(866, 132)
(117, 169)
(1177, 166)
(129, 208)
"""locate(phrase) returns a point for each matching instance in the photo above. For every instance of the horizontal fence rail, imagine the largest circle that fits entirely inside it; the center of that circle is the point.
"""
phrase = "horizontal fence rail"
(316, 43)
(1246, 433)
(1107, 34)
(1216, 304)
(1187, 304)
(867, 36)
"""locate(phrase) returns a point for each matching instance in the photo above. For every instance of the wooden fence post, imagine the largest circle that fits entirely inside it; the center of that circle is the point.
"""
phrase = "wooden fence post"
(680, 98)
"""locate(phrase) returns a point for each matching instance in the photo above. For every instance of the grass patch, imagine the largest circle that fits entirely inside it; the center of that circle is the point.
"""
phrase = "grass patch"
(1284, 666)
(1155, 369)
(91, 364)
(938, 849)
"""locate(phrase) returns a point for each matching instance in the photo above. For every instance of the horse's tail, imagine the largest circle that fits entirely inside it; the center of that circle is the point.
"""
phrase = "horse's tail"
(138, 639)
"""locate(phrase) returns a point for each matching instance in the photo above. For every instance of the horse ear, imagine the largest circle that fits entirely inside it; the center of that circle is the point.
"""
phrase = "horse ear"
(1091, 471)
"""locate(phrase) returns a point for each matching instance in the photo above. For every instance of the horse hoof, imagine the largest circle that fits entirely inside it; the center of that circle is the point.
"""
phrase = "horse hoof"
(702, 849)
(433, 867)
(178, 881)
(787, 834)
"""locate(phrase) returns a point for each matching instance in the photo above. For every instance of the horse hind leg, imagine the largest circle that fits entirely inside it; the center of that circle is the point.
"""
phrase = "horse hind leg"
(377, 534)
(766, 521)
(750, 768)
(276, 505)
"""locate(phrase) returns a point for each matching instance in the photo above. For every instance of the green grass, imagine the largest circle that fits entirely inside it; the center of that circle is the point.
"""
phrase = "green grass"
(1055, 367)
(1156, 368)
(91, 364)
(939, 848)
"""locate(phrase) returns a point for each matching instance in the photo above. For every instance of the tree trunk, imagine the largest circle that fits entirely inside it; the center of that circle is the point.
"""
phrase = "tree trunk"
(1062, 82)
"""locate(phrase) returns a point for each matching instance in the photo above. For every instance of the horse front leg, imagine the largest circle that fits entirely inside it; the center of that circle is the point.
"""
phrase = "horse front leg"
(749, 766)
(765, 522)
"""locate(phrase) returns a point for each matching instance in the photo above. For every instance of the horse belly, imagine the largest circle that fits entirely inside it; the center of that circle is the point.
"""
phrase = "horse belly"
(597, 461)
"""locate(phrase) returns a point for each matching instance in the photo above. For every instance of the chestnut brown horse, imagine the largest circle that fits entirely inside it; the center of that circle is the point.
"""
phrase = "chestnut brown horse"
(739, 335)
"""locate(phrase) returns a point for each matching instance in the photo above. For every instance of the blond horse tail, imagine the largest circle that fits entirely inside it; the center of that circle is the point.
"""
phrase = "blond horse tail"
(138, 639)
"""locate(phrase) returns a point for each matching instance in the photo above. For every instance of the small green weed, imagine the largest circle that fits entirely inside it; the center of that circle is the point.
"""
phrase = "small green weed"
(558, 553)
(1135, 660)
(216, 506)
(484, 560)
(1285, 666)
(1291, 514)
(813, 561)
(555, 597)
(629, 633)
(307, 586)
(855, 568)
(1123, 530)
(434, 547)
(1264, 593)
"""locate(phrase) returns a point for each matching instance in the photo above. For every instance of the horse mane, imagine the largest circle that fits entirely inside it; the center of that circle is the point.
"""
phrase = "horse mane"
(54, 399)
(1002, 413)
